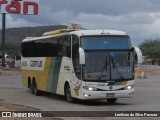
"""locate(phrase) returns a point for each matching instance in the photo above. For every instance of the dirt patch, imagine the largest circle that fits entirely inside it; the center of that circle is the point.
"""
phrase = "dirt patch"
(151, 70)
(146, 70)
(15, 107)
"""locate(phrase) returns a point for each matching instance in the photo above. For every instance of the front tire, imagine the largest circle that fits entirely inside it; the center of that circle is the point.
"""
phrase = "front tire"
(112, 100)
(68, 95)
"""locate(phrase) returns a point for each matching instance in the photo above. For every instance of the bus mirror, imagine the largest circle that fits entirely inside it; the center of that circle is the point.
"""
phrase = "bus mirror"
(132, 49)
(139, 55)
(81, 56)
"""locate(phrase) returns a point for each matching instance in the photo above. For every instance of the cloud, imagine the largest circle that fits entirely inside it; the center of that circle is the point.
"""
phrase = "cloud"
(108, 7)
(139, 18)
(12, 22)
(134, 24)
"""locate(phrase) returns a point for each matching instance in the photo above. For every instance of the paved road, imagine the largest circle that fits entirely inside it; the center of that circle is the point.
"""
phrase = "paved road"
(147, 97)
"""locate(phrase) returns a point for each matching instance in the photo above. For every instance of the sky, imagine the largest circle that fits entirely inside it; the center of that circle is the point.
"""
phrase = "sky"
(139, 18)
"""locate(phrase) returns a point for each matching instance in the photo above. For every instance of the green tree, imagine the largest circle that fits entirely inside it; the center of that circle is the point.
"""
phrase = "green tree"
(151, 49)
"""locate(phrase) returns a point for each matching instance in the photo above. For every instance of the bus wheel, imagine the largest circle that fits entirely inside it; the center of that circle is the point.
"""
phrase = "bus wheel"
(36, 92)
(31, 88)
(68, 94)
(112, 100)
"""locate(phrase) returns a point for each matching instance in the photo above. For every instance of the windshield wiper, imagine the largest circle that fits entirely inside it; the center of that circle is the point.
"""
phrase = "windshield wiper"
(105, 67)
(115, 67)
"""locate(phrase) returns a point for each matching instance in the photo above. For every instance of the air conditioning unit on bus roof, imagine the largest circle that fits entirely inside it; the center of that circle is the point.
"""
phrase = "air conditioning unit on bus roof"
(55, 32)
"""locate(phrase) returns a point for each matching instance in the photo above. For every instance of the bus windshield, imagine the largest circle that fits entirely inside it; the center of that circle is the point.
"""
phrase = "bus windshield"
(105, 60)
(105, 42)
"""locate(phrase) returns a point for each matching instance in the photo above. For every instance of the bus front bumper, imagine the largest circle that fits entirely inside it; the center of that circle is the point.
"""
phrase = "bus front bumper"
(107, 94)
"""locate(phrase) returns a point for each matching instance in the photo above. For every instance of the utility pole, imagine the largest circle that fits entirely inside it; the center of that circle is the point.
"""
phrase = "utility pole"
(3, 38)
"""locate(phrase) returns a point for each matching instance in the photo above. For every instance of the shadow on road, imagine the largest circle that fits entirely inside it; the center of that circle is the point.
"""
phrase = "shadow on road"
(81, 102)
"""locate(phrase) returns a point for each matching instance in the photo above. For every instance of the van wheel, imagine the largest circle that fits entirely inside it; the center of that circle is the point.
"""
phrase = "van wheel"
(112, 100)
(36, 91)
(68, 94)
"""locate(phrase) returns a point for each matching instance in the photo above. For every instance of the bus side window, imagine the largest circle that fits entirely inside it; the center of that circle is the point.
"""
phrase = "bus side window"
(75, 56)
(66, 46)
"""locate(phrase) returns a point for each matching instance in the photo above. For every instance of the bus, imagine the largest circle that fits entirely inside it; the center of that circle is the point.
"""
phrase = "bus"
(79, 64)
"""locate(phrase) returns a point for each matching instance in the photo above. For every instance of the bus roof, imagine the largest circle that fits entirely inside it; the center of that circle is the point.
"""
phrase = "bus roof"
(78, 33)
(98, 32)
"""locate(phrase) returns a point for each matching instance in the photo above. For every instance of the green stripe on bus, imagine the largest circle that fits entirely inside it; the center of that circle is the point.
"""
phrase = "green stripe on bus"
(117, 83)
(53, 74)
(113, 83)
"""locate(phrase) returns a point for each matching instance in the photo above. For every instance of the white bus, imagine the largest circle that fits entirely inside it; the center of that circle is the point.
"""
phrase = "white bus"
(79, 64)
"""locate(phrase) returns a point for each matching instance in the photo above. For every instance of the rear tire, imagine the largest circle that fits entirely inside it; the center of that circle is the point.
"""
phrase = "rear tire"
(31, 88)
(36, 91)
(112, 100)
(68, 95)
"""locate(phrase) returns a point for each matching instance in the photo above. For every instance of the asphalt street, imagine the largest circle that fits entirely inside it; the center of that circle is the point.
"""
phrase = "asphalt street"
(13, 94)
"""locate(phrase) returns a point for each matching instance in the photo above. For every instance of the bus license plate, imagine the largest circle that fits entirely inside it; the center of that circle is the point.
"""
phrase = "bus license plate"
(110, 95)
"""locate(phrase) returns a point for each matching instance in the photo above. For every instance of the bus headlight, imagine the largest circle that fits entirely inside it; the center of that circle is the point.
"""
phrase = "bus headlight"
(129, 87)
(89, 88)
